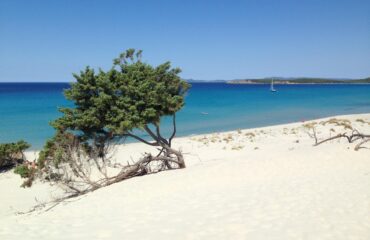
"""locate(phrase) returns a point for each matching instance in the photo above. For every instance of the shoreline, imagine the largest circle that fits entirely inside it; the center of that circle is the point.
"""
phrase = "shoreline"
(241, 184)
(229, 107)
(251, 128)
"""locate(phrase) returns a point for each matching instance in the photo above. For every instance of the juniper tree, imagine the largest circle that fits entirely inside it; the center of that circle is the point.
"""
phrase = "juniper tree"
(109, 105)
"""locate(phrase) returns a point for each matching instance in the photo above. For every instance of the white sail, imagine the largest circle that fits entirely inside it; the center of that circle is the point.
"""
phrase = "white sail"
(272, 89)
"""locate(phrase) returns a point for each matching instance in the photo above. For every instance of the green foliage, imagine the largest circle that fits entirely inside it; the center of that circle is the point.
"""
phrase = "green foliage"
(54, 149)
(49, 157)
(23, 170)
(27, 172)
(130, 95)
(12, 153)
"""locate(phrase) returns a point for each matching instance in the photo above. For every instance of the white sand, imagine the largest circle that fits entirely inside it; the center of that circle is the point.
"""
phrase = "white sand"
(263, 187)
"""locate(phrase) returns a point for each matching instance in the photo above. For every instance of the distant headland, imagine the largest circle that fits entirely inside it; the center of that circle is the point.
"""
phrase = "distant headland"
(281, 80)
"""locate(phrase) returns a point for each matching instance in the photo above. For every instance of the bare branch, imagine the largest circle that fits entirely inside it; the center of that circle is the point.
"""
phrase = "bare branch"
(141, 139)
(159, 134)
(329, 139)
(174, 129)
(359, 145)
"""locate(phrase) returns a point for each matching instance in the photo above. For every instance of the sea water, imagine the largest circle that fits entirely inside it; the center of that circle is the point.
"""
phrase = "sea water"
(26, 109)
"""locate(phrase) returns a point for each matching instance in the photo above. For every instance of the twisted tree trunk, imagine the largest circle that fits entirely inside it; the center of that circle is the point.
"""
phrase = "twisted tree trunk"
(171, 155)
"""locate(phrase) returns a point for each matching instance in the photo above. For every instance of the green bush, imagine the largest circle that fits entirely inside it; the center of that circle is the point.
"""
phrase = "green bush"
(52, 153)
(49, 157)
(29, 173)
(12, 153)
(23, 170)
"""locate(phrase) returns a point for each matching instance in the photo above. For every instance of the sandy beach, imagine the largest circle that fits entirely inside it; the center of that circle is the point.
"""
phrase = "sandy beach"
(263, 183)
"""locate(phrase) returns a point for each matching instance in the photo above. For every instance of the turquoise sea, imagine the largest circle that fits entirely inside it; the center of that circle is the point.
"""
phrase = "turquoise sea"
(27, 108)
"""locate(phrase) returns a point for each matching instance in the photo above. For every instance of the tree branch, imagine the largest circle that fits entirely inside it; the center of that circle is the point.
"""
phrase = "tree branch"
(331, 138)
(358, 146)
(159, 134)
(150, 132)
(174, 129)
(140, 139)
(355, 135)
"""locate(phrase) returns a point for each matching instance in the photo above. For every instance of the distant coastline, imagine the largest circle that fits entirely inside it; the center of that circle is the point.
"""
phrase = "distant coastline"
(279, 80)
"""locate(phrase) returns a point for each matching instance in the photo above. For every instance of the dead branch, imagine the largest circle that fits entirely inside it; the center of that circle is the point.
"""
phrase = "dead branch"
(359, 145)
(329, 139)
(351, 137)
(354, 136)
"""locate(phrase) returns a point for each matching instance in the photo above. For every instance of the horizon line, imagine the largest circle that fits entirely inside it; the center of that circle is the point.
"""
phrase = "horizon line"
(225, 80)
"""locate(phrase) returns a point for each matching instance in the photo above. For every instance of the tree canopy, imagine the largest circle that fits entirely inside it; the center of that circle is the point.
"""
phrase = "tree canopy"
(130, 95)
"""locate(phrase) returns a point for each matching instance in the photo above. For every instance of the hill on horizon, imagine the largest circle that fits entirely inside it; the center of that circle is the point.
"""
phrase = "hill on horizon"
(284, 80)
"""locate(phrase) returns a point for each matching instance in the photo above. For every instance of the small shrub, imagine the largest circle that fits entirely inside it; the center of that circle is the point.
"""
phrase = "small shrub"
(310, 125)
(250, 134)
(345, 123)
(23, 170)
(27, 172)
(12, 153)
(360, 120)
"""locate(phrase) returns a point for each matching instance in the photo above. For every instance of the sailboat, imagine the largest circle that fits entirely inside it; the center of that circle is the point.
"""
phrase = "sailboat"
(272, 89)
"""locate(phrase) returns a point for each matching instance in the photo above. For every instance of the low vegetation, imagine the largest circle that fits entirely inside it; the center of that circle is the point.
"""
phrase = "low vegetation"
(12, 154)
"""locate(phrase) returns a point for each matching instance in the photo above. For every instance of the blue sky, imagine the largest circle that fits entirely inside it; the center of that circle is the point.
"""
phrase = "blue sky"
(48, 40)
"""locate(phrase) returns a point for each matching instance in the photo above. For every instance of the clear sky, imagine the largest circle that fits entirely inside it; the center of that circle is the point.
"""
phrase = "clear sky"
(48, 40)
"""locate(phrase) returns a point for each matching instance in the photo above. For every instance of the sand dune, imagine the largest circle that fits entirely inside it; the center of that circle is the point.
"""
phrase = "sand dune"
(265, 183)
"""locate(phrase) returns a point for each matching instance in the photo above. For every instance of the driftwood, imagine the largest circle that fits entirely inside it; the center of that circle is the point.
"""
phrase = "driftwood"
(354, 136)
(359, 145)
